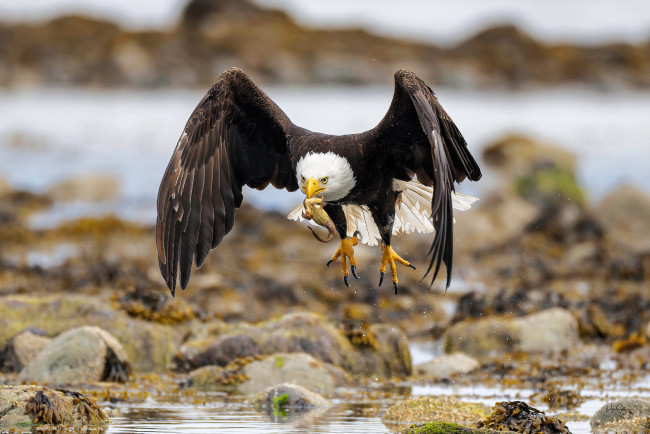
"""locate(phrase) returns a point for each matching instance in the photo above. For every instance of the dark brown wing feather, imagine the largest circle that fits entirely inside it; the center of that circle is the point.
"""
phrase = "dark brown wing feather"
(236, 136)
(425, 142)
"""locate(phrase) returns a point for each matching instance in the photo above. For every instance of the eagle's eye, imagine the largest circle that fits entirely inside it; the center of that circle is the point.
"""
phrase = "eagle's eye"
(302, 178)
(324, 180)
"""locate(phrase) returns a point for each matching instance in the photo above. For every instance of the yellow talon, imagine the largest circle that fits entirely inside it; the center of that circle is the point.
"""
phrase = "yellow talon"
(388, 256)
(346, 253)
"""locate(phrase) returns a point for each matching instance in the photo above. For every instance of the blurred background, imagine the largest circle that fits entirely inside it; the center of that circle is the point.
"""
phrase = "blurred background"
(553, 98)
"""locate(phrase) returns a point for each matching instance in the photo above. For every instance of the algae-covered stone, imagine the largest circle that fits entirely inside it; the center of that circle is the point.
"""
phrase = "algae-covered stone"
(80, 355)
(22, 349)
(289, 397)
(252, 375)
(435, 409)
(447, 428)
(624, 415)
(549, 330)
(518, 416)
(27, 407)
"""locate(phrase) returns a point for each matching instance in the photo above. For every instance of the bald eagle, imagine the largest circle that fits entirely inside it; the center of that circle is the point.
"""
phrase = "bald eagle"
(238, 136)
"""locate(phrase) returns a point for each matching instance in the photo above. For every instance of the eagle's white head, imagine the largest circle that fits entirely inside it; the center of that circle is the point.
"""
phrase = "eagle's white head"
(328, 175)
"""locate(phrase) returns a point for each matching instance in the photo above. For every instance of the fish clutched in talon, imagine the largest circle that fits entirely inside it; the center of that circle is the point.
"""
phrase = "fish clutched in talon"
(314, 210)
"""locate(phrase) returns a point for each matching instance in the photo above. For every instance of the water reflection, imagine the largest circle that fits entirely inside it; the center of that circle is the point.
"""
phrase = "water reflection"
(241, 417)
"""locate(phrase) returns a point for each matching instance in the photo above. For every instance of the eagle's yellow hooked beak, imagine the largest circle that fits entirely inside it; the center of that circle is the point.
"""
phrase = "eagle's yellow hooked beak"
(312, 188)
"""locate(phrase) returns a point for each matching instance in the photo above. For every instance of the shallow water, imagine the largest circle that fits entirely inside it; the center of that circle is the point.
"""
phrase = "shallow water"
(240, 418)
(356, 410)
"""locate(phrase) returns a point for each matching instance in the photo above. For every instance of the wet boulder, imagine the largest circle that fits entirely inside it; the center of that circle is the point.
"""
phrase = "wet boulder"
(81, 355)
(380, 350)
(28, 407)
(22, 348)
(287, 397)
(253, 374)
(149, 345)
(550, 330)
(517, 416)
(624, 415)
(446, 366)
(431, 409)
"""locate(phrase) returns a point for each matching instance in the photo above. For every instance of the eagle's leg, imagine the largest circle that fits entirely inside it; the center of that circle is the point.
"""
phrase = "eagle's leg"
(384, 216)
(345, 251)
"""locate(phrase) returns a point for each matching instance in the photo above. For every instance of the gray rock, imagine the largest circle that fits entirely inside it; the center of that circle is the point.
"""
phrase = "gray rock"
(290, 397)
(80, 355)
(22, 349)
(383, 352)
(446, 366)
(250, 376)
(549, 330)
(21, 406)
(624, 415)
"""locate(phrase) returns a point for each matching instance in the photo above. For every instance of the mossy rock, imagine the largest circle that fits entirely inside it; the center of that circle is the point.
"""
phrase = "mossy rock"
(447, 428)
(549, 184)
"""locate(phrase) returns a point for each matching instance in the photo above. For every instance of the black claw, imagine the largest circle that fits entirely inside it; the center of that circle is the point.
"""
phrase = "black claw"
(329, 262)
(381, 279)
(395, 285)
(354, 271)
(357, 235)
(412, 266)
(345, 279)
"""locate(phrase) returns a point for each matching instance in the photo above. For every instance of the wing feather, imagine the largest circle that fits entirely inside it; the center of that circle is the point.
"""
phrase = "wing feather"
(435, 152)
(235, 136)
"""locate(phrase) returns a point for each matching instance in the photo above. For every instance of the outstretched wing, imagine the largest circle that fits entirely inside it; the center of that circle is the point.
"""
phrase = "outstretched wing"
(236, 136)
(424, 142)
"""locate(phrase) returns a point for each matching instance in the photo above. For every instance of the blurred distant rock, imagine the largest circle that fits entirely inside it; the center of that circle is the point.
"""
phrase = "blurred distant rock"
(540, 173)
(86, 188)
(215, 34)
(625, 212)
(546, 331)
(446, 366)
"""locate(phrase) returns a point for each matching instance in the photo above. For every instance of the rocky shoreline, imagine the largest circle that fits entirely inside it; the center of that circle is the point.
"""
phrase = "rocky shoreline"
(214, 35)
(551, 291)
